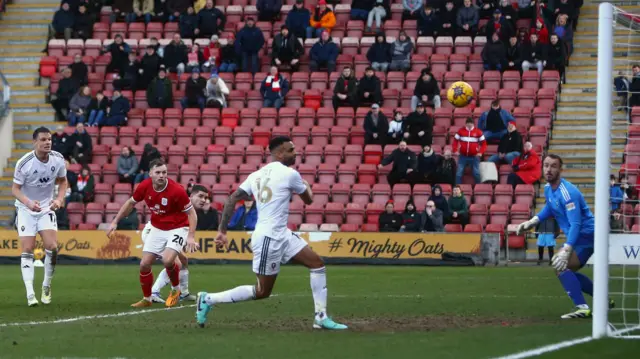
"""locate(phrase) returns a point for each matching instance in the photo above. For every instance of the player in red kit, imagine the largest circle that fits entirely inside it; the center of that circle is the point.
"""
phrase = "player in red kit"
(173, 225)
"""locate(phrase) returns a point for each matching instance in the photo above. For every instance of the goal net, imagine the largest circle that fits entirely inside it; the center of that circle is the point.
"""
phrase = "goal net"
(617, 249)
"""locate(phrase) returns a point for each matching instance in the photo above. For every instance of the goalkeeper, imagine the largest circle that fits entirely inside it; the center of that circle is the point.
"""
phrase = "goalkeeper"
(565, 202)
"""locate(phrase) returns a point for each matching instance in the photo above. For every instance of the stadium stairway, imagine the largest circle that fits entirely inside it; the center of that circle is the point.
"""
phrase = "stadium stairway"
(574, 127)
(23, 36)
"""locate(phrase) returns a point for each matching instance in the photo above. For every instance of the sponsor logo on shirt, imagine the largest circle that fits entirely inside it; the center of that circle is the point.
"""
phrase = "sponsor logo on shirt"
(570, 206)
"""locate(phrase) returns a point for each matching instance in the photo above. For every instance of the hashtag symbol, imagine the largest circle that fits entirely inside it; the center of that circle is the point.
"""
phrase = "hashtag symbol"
(335, 245)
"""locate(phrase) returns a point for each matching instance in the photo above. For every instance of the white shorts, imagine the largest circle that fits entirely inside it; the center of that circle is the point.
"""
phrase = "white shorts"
(29, 223)
(269, 253)
(156, 240)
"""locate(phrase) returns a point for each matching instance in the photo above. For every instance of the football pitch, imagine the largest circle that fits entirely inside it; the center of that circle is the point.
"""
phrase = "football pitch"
(393, 312)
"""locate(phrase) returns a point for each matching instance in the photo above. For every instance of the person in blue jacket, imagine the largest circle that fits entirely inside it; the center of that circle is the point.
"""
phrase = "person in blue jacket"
(324, 53)
(249, 42)
(615, 193)
(245, 217)
(298, 19)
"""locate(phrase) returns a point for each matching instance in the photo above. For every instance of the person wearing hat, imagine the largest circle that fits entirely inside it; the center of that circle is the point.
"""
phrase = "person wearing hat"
(467, 19)
(211, 20)
(194, 91)
(426, 91)
(345, 91)
(510, 146)
(375, 127)
(323, 54)
(369, 88)
(500, 25)
(493, 123)
(286, 50)
(323, 19)
(269, 10)
(216, 92)
(419, 127)
(188, 23)
(249, 42)
(160, 91)
(298, 19)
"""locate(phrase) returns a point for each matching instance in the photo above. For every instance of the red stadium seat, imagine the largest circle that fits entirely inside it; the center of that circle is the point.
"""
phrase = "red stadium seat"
(373, 211)
(499, 214)
(453, 227)
(334, 213)
(478, 214)
(327, 173)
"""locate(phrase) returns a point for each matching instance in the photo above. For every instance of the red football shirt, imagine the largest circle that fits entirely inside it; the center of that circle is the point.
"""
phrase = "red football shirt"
(168, 207)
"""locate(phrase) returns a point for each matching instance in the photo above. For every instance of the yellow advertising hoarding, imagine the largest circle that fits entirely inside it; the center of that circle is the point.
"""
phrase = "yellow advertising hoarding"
(356, 245)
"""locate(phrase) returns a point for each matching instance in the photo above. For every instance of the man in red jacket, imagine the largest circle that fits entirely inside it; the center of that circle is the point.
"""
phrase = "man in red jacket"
(527, 168)
(470, 144)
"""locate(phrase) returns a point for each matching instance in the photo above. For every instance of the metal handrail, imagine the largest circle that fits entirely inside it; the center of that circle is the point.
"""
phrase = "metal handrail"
(5, 93)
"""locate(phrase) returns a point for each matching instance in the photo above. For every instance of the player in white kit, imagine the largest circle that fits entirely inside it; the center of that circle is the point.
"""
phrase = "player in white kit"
(34, 180)
(272, 242)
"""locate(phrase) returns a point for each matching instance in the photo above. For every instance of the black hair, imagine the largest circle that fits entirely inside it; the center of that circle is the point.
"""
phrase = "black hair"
(555, 157)
(156, 163)
(40, 130)
(199, 188)
(469, 120)
(277, 142)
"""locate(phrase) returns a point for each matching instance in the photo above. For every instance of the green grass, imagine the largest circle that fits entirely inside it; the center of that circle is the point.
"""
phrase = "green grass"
(394, 312)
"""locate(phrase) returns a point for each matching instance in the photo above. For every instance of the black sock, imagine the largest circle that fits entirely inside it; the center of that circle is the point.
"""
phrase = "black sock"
(551, 248)
(540, 252)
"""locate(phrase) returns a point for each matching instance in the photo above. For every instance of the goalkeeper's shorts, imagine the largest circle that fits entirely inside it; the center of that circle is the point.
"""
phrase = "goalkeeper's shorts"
(584, 252)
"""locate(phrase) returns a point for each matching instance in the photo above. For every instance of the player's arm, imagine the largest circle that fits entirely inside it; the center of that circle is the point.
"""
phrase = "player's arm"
(124, 211)
(301, 188)
(540, 217)
(574, 216)
(229, 207)
(16, 191)
(62, 191)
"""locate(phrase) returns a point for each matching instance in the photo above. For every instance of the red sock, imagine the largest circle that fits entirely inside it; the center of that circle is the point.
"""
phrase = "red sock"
(146, 282)
(174, 275)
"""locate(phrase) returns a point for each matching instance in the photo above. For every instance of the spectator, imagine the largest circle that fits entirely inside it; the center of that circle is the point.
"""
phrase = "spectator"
(142, 11)
(411, 219)
(379, 54)
(508, 12)
(345, 93)
(229, 61)
(216, 91)
(449, 20)
(119, 51)
(63, 22)
(379, 11)
(176, 55)
(149, 153)
(616, 195)
(426, 91)
(541, 30)
(149, 67)
(60, 141)
(401, 51)
(510, 146)
(467, 19)
(526, 8)
(160, 91)
(323, 19)
(458, 207)
(547, 233)
(120, 10)
(117, 111)
(494, 53)
(249, 42)
(97, 109)
(86, 185)
(286, 50)
(389, 220)
(404, 162)
(269, 10)
(485, 8)
(428, 163)
(470, 144)
(298, 20)
(438, 198)
(534, 54)
(195, 59)
(500, 25)
(617, 222)
(188, 24)
(360, 9)
(274, 88)
(72, 195)
(428, 22)
(210, 21)
(323, 54)
(494, 123)
(566, 8)
(375, 126)
(127, 165)
(78, 106)
(628, 190)
(153, 42)
(513, 54)
(411, 9)
(419, 127)
(369, 88)
(446, 171)
(67, 88)
(207, 217)
(128, 79)
(526, 168)
(564, 31)
(212, 55)
(634, 86)
(557, 55)
(131, 222)
(432, 220)
(194, 91)
(175, 8)
(396, 128)
(83, 24)
(81, 146)
(79, 70)
(245, 217)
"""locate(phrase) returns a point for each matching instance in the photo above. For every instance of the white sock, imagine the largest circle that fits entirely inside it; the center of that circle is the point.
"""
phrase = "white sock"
(161, 282)
(49, 267)
(184, 281)
(319, 290)
(237, 294)
(26, 265)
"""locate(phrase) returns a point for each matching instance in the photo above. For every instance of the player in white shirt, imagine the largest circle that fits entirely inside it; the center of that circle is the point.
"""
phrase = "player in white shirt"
(272, 242)
(35, 177)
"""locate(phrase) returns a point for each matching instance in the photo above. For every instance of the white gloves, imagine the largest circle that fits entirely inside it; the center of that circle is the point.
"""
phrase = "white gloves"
(525, 226)
(561, 260)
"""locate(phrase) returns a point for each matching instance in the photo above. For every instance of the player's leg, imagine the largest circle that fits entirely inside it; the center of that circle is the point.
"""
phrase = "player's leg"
(27, 229)
(183, 263)
(551, 251)
(50, 243)
(575, 284)
(540, 254)
(146, 276)
(175, 241)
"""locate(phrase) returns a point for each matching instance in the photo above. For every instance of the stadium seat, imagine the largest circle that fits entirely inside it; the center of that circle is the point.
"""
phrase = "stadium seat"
(334, 213)
(524, 193)
(354, 214)
(348, 227)
(373, 211)
(313, 213)
(473, 228)
(309, 227)
(370, 227)
(499, 214)
(452, 227)
(329, 227)
(478, 214)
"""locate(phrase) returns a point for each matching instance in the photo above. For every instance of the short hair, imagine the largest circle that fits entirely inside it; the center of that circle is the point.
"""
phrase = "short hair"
(495, 103)
(469, 120)
(277, 142)
(156, 163)
(555, 157)
(40, 130)
(458, 187)
(199, 188)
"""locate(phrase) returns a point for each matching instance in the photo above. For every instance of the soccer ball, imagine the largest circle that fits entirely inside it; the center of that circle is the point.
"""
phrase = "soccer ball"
(460, 94)
(38, 254)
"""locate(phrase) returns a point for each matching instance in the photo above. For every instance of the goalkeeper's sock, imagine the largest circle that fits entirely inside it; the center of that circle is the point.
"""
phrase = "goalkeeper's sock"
(319, 291)
(585, 283)
(237, 294)
(571, 285)
(161, 282)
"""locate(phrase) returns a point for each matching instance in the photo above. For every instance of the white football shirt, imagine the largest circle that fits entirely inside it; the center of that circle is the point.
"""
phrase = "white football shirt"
(37, 178)
(272, 187)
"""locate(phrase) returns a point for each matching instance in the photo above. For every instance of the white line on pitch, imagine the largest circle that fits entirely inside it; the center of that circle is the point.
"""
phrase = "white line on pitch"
(547, 349)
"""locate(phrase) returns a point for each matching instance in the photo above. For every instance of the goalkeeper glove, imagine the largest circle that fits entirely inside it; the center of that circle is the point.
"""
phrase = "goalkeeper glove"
(525, 226)
(561, 260)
